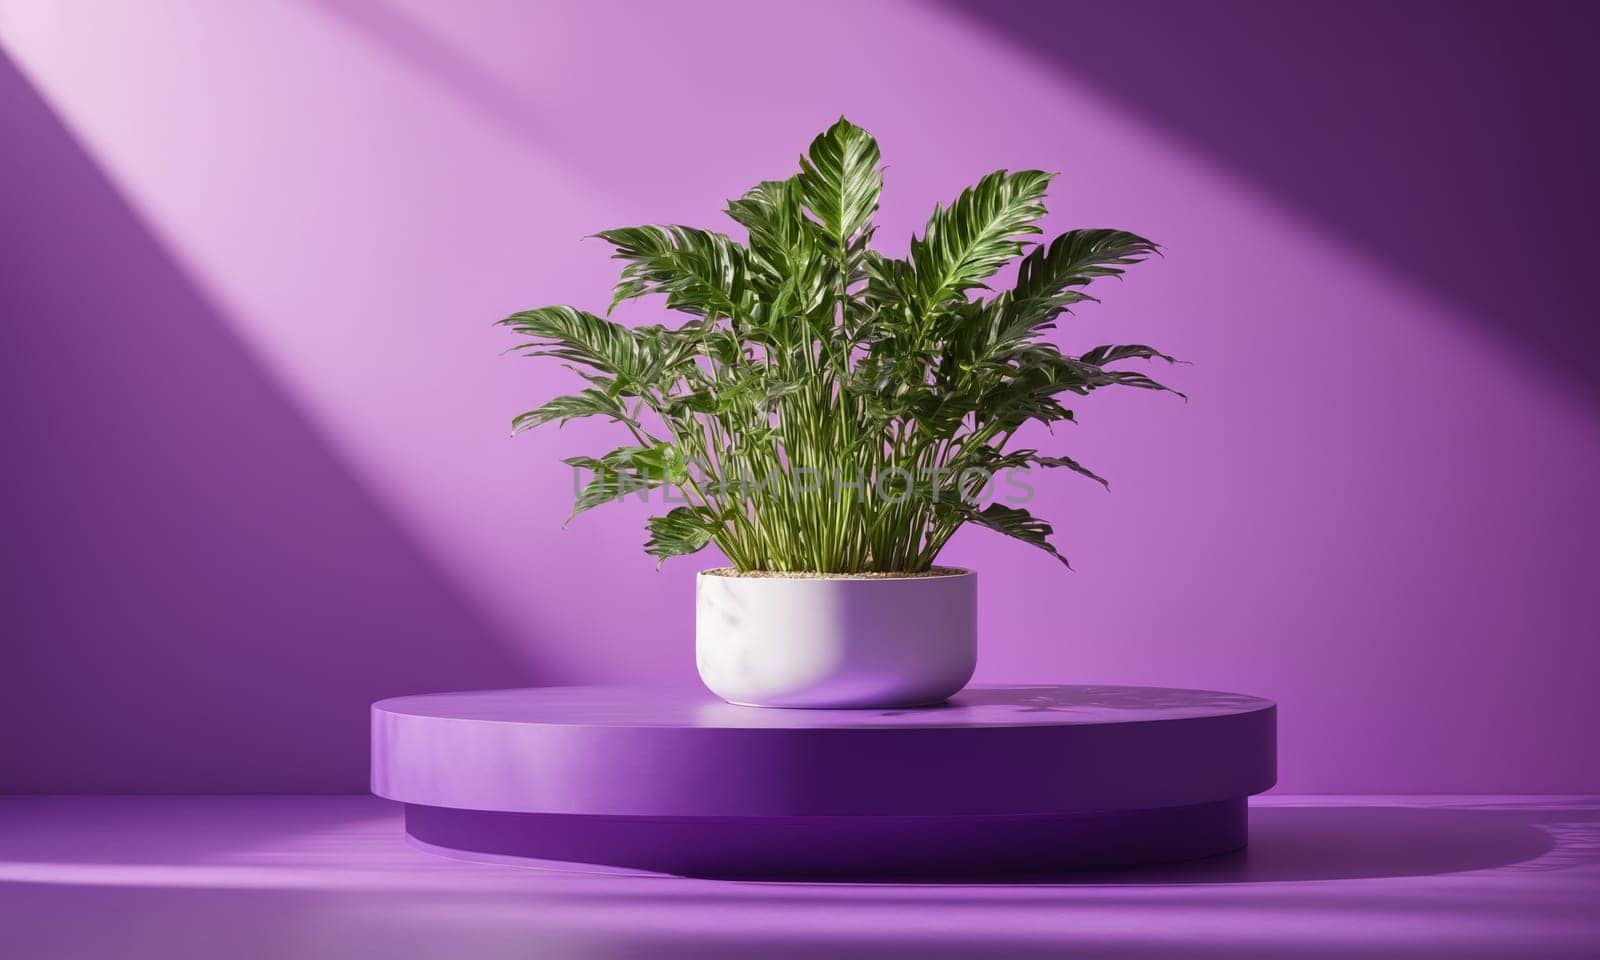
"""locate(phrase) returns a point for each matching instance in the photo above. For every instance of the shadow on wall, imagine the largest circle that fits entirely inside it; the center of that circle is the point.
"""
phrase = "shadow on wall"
(197, 595)
(1450, 141)
(398, 34)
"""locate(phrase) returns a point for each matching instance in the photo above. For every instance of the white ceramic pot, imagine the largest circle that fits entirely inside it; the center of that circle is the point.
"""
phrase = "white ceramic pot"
(836, 641)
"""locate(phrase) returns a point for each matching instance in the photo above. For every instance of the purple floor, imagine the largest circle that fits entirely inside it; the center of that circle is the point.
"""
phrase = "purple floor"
(314, 877)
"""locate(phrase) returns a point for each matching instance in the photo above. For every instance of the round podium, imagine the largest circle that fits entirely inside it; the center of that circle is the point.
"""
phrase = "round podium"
(1006, 780)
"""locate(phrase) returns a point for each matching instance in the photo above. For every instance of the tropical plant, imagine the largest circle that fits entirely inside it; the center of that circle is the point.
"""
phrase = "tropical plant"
(810, 357)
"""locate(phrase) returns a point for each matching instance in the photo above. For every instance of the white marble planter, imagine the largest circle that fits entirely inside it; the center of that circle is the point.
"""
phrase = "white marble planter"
(836, 641)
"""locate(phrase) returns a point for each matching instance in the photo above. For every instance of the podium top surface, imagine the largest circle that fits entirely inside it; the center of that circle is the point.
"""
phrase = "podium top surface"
(979, 707)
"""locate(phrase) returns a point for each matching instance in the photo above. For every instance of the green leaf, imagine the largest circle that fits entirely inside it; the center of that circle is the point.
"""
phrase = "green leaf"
(692, 402)
(1016, 523)
(698, 271)
(571, 334)
(1110, 353)
(625, 470)
(1049, 277)
(588, 403)
(636, 358)
(1072, 465)
(1139, 380)
(773, 212)
(1046, 371)
(840, 182)
(680, 531)
(787, 268)
(967, 242)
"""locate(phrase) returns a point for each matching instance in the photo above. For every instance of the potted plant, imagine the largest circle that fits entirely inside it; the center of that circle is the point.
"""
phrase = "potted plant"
(828, 416)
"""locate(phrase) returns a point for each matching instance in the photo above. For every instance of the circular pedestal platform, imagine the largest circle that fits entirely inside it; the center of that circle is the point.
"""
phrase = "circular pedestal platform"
(1001, 780)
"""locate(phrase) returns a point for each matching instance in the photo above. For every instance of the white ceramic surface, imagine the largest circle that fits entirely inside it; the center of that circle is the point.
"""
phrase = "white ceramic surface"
(836, 641)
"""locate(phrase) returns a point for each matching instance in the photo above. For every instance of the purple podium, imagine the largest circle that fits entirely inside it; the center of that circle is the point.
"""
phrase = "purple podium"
(1012, 780)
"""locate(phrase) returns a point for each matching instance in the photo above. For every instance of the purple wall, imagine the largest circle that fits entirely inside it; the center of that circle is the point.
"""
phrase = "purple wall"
(258, 471)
